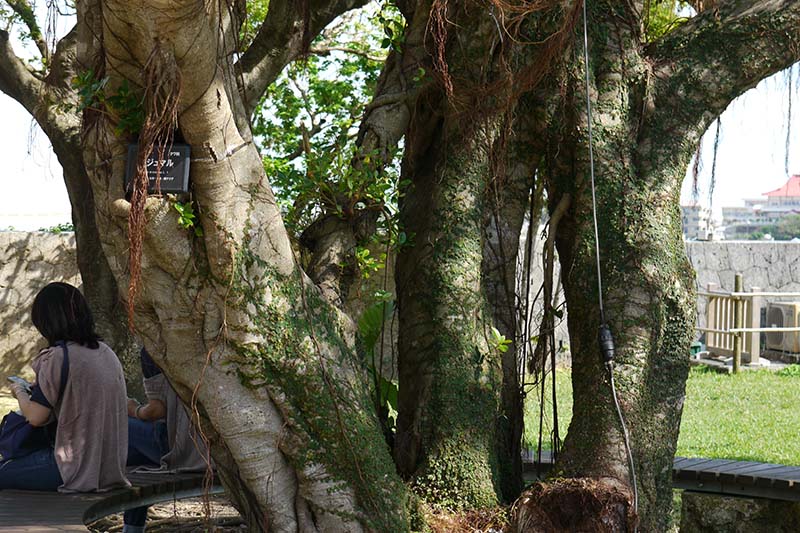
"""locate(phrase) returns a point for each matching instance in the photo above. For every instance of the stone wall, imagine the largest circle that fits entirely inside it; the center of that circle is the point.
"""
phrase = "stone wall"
(28, 261)
(769, 265)
(709, 513)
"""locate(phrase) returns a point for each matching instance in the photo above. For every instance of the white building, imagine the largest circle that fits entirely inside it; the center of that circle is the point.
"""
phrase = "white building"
(697, 222)
(758, 212)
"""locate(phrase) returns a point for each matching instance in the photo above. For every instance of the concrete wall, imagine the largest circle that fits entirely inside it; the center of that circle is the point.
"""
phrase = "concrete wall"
(28, 261)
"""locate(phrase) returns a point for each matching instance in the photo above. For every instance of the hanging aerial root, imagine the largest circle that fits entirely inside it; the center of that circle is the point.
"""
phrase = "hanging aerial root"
(572, 505)
(162, 90)
(507, 85)
(487, 102)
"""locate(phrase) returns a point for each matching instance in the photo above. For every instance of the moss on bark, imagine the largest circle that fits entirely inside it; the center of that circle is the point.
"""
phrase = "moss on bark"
(648, 284)
(313, 374)
(450, 378)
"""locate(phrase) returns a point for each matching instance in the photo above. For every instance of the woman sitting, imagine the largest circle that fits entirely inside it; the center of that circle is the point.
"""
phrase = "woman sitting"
(160, 432)
(92, 425)
(161, 435)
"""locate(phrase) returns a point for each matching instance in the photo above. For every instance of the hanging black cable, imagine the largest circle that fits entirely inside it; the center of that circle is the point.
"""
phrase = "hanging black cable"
(605, 337)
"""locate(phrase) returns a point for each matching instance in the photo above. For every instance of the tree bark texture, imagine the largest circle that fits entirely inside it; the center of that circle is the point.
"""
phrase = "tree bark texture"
(450, 376)
(649, 109)
(648, 283)
(245, 337)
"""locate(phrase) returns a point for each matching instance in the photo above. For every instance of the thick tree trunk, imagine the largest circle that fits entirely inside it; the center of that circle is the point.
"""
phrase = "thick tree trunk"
(649, 305)
(450, 378)
(649, 108)
(648, 284)
(237, 327)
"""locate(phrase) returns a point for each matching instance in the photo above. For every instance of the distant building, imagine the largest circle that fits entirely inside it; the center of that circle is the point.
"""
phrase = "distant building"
(784, 200)
(760, 212)
(697, 223)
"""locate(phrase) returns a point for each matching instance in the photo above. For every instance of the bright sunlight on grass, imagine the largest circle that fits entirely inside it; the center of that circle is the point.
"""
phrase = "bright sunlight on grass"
(751, 416)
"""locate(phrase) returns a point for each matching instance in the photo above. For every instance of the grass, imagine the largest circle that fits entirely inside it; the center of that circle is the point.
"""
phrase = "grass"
(752, 416)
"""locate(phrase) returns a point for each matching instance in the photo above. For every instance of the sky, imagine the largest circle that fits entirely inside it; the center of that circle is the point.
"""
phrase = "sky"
(750, 158)
(752, 151)
(32, 190)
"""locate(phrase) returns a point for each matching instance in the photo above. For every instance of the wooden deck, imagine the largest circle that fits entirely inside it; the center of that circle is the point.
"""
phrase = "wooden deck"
(28, 511)
(718, 476)
(25, 512)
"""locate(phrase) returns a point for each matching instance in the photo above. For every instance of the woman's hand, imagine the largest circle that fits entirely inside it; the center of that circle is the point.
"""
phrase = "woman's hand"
(18, 390)
(152, 410)
(36, 414)
(132, 406)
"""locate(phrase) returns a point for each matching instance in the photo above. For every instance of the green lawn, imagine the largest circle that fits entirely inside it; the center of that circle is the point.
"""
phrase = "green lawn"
(752, 416)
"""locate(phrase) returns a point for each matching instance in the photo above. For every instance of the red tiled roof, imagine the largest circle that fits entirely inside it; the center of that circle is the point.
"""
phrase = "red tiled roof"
(790, 188)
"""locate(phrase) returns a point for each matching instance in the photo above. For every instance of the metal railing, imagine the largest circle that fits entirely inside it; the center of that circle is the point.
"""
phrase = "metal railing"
(733, 321)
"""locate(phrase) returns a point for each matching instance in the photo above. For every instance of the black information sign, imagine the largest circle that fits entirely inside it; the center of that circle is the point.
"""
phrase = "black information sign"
(174, 168)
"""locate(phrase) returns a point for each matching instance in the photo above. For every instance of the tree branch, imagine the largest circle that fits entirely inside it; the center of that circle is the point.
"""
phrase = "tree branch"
(325, 50)
(24, 11)
(700, 67)
(702, 5)
(15, 79)
(62, 66)
(280, 41)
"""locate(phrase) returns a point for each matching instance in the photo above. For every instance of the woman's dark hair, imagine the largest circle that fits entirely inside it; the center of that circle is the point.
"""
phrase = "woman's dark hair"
(60, 313)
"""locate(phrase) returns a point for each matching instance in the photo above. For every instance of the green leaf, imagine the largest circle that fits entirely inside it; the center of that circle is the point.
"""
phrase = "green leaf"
(370, 324)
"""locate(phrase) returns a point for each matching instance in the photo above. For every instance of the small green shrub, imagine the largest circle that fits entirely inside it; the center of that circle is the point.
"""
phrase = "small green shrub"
(59, 228)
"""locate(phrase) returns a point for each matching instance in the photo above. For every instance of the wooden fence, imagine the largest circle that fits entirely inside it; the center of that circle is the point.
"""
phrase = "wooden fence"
(733, 321)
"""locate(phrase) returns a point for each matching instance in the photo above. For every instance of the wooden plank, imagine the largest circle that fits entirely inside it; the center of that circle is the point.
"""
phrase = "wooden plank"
(26, 509)
(772, 483)
(761, 470)
(694, 466)
(783, 474)
(720, 465)
(735, 466)
(791, 473)
(678, 461)
(23, 510)
(711, 470)
(716, 463)
(690, 463)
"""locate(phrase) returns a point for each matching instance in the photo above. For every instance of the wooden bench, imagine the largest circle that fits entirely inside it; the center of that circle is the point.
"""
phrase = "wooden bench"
(718, 476)
(29, 511)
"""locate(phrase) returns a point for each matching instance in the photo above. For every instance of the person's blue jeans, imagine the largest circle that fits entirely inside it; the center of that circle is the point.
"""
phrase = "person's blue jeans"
(134, 520)
(147, 444)
(36, 471)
